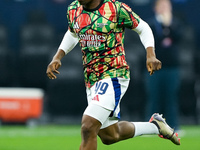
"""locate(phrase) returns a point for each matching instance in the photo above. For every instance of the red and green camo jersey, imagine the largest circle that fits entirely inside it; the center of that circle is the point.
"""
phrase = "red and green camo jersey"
(101, 37)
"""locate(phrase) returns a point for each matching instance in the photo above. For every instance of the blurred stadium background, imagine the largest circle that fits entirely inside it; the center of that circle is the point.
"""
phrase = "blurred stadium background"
(31, 31)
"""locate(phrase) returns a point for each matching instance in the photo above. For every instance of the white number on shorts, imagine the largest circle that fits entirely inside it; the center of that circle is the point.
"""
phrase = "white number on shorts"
(101, 87)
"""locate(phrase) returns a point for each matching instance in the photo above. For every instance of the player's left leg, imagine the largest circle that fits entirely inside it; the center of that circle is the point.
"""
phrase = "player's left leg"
(124, 130)
(117, 132)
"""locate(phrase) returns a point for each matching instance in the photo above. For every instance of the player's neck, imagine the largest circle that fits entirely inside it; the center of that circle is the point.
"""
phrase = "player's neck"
(92, 4)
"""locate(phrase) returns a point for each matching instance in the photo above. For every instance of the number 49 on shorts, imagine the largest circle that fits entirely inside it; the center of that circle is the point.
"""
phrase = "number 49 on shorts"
(101, 88)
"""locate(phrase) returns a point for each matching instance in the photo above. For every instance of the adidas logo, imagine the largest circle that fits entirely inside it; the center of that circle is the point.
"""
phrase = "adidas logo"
(76, 26)
(96, 98)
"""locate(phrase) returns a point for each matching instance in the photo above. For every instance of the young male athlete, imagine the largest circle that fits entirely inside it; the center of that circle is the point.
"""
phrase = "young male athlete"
(99, 26)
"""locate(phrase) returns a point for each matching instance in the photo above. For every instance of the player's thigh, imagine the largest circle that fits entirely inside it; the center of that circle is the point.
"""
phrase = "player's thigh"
(90, 124)
(96, 112)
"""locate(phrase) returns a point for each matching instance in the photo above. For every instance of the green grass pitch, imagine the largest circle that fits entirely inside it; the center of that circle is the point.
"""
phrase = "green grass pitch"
(55, 137)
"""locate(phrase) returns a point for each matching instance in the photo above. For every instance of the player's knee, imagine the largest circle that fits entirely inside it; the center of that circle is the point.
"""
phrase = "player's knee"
(90, 127)
(88, 131)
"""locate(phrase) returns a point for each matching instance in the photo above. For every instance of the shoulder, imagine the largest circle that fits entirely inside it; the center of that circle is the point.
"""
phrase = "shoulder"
(114, 2)
(121, 6)
(74, 5)
(119, 3)
(112, 5)
(73, 8)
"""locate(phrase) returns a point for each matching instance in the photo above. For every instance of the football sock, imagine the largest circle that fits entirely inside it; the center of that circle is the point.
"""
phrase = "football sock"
(145, 128)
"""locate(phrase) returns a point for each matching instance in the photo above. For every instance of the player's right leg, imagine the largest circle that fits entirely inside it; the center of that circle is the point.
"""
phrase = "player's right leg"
(92, 120)
(89, 129)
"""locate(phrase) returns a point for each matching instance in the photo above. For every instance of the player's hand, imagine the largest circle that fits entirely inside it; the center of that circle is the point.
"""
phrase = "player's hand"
(153, 64)
(53, 68)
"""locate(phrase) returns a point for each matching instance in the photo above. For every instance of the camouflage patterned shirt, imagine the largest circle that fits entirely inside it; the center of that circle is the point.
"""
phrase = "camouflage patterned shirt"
(101, 37)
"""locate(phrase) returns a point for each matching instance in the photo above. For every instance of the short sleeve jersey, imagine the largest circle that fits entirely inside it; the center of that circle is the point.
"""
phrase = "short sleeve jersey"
(101, 37)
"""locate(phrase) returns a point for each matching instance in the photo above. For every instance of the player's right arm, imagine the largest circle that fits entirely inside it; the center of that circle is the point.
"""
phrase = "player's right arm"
(69, 41)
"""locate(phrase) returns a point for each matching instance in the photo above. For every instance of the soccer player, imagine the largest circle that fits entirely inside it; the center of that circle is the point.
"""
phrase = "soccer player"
(99, 26)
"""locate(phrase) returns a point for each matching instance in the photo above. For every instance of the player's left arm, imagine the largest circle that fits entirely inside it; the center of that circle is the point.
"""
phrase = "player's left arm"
(129, 19)
(147, 39)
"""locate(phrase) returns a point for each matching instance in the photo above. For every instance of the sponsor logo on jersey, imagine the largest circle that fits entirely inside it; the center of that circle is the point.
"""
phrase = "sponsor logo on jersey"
(91, 37)
(90, 40)
(76, 26)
